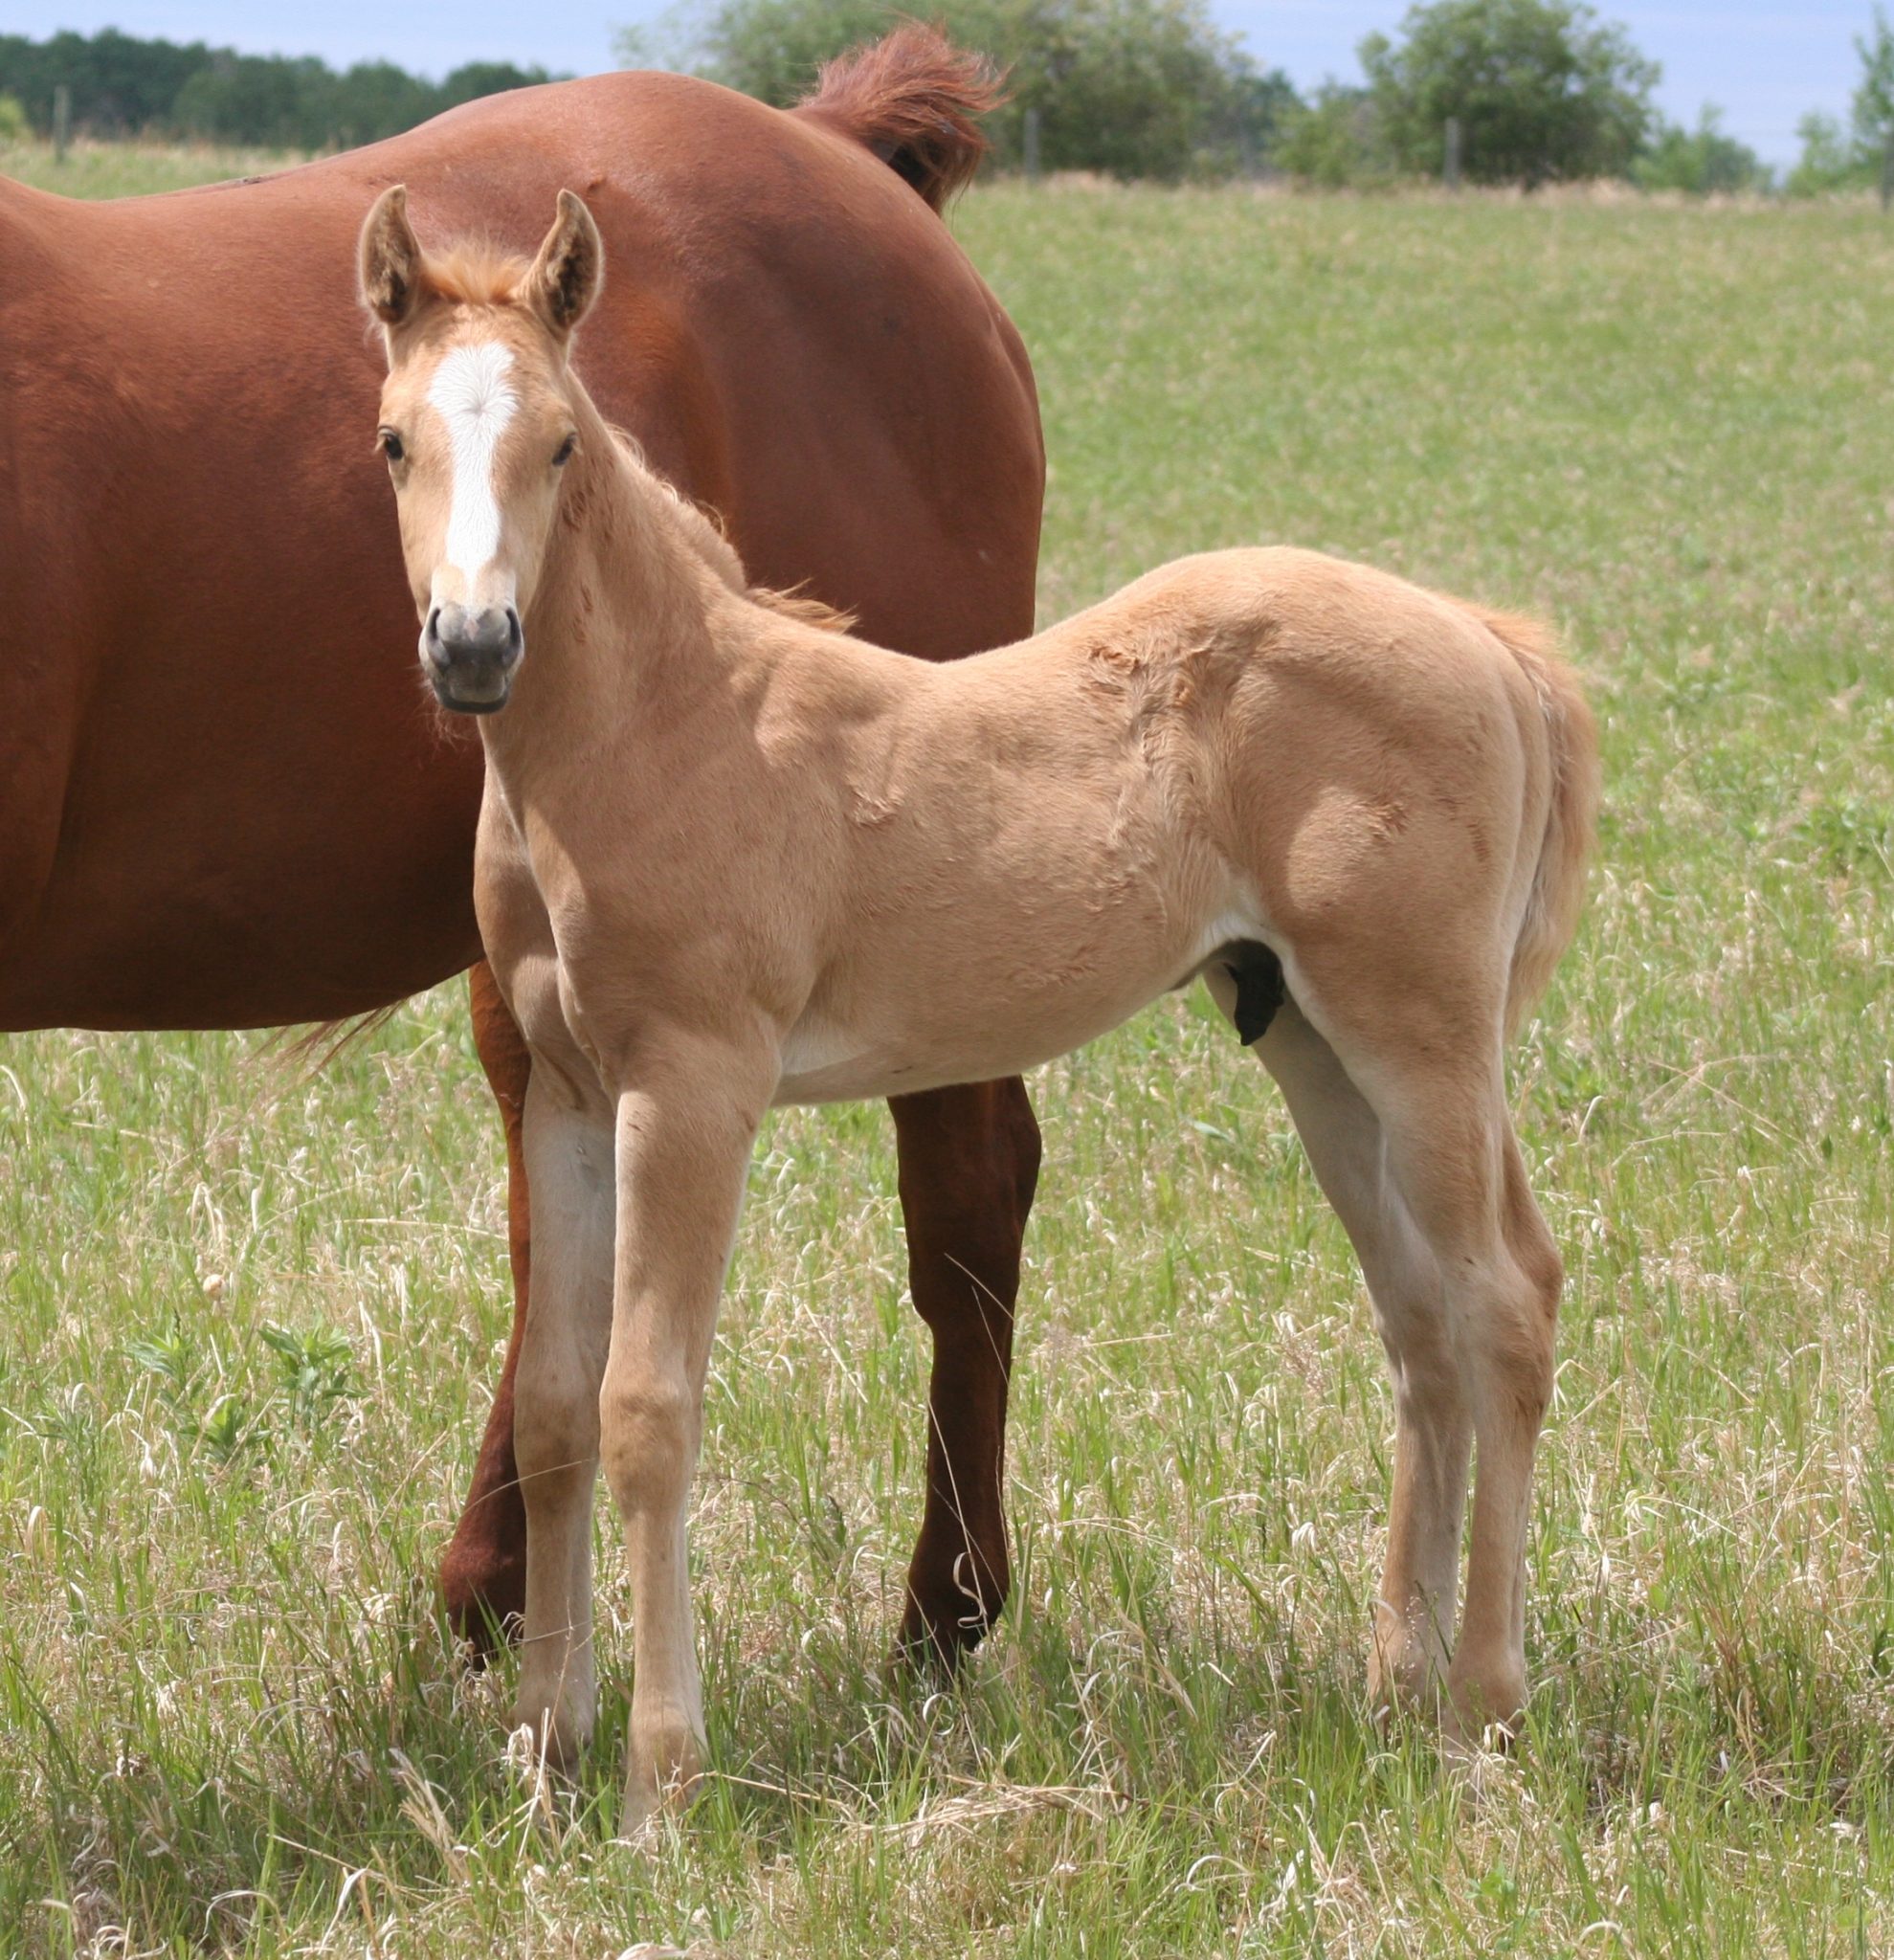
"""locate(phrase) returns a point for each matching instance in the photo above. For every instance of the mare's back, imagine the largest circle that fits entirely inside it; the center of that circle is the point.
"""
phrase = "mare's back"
(234, 804)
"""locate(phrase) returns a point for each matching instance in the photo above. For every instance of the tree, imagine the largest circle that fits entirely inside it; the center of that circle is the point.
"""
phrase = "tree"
(474, 79)
(1140, 88)
(118, 83)
(1830, 160)
(245, 99)
(1874, 98)
(1543, 90)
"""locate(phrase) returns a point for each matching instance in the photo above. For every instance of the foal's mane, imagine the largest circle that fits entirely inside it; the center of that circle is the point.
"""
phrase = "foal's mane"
(475, 272)
(710, 537)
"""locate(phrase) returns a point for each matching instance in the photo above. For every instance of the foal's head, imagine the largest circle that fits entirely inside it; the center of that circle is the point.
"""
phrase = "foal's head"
(478, 421)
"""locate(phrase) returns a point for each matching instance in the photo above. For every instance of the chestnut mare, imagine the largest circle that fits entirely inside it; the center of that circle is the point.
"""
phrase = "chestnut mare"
(730, 856)
(225, 802)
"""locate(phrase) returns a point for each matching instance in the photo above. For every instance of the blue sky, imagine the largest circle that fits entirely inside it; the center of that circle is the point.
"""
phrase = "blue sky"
(1764, 64)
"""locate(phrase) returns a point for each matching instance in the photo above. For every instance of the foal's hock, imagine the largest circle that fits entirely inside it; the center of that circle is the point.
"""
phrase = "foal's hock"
(730, 856)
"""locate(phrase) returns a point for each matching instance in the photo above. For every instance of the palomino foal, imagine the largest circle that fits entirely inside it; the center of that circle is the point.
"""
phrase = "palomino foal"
(729, 857)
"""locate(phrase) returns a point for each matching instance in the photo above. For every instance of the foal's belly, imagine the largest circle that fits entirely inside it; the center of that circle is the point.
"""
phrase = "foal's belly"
(966, 1025)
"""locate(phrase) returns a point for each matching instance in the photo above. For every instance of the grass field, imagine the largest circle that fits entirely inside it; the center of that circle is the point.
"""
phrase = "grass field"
(131, 169)
(250, 1320)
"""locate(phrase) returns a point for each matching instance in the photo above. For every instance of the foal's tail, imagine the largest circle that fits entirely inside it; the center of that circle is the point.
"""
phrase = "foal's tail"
(913, 99)
(1572, 817)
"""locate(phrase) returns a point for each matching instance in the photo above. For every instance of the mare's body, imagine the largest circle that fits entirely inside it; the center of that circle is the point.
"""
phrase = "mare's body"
(727, 858)
(225, 800)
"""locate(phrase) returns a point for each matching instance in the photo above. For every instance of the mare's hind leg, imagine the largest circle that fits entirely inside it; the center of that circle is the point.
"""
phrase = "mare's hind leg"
(1413, 1636)
(970, 1161)
(484, 1570)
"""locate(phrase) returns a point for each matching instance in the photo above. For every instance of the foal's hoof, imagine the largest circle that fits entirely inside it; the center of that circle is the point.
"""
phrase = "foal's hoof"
(664, 1776)
(1406, 1673)
(1484, 1710)
(544, 1737)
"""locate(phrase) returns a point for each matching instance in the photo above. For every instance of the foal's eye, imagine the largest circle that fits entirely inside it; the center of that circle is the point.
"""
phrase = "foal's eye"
(391, 444)
(565, 451)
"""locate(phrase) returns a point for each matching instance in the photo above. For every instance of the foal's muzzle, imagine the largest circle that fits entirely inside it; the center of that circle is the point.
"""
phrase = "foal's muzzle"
(470, 655)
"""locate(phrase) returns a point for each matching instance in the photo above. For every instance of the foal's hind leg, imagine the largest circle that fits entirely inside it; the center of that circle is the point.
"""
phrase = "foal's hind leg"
(1433, 1074)
(1421, 1049)
(1413, 1610)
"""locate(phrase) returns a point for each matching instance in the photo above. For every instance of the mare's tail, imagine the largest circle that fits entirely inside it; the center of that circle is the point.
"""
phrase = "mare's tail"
(1572, 817)
(913, 99)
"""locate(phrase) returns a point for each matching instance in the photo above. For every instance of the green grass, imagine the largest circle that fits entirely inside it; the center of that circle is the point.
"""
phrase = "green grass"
(132, 169)
(226, 1721)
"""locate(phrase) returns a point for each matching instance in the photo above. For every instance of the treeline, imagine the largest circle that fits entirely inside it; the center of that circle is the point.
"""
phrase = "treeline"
(1538, 91)
(1533, 92)
(122, 85)
(1136, 88)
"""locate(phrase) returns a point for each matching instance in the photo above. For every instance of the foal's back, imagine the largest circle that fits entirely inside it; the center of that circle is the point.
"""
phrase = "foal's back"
(1008, 857)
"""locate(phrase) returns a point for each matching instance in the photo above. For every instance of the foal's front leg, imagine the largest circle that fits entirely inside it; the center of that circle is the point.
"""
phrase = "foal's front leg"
(685, 1129)
(483, 1569)
(567, 1146)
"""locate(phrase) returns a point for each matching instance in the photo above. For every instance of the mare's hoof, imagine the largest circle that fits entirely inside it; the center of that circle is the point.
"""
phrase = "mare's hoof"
(484, 1597)
(936, 1645)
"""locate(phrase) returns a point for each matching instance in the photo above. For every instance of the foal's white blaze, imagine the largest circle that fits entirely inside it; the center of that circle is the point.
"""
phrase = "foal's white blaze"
(469, 390)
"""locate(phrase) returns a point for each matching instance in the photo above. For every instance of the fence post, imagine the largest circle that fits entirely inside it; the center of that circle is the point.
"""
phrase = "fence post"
(1888, 175)
(62, 120)
(1029, 150)
(1450, 163)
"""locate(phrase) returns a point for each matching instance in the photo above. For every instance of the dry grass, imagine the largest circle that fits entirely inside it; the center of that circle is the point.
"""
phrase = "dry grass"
(226, 1721)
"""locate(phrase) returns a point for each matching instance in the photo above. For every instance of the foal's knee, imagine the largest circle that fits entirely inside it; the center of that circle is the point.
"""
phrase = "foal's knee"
(1521, 1336)
(555, 1427)
(647, 1420)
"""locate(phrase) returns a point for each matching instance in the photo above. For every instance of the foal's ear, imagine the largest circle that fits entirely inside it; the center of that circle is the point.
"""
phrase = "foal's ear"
(570, 269)
(389, 259)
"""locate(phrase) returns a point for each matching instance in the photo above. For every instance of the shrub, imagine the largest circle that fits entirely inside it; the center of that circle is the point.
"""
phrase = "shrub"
(1699, 159)
(1829, 161)
(1335, 139)
(1874, 97)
